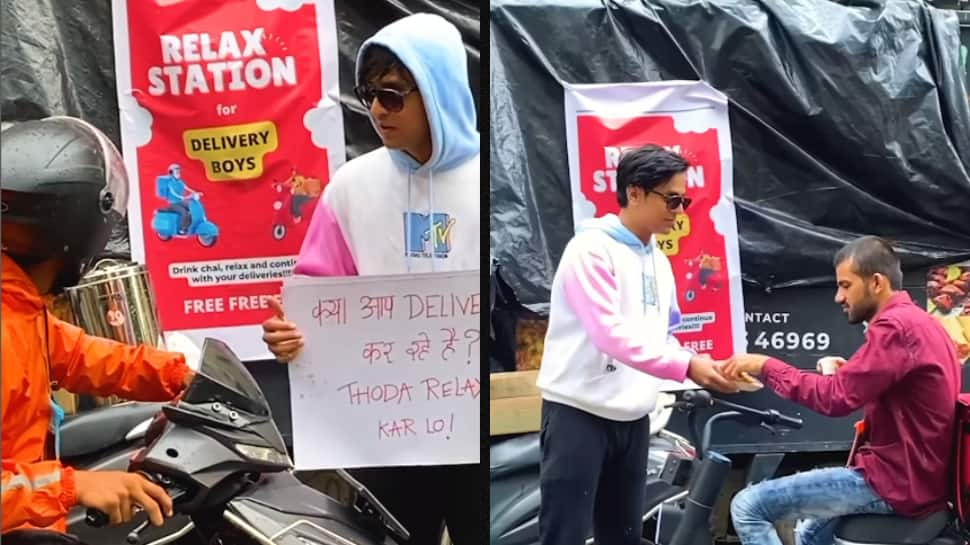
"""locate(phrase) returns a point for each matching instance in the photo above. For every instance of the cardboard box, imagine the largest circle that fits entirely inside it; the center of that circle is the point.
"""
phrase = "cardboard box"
(515, 403)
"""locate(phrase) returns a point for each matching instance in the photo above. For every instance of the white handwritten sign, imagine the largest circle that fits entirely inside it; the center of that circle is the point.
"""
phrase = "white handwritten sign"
(390, 372)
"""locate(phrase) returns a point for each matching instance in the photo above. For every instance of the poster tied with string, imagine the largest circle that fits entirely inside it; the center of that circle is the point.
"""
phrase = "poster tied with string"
(603, 121)
(231, 127)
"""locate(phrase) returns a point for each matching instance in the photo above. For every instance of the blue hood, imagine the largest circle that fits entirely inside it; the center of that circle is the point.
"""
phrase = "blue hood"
(432, 50)
(610, 223)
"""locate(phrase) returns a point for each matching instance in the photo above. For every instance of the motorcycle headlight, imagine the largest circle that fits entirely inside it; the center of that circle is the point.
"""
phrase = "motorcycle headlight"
(264, 454)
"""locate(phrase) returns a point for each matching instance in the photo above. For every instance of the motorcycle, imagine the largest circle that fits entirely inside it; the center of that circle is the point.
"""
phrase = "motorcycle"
(219, 455)
(514, 481)
(165, 223)
(947, 527)
(703, 472)
(707, 473)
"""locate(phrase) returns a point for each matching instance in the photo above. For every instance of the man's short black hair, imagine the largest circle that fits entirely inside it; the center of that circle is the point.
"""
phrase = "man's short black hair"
(646, 167)
(379, 61)
(871, 255)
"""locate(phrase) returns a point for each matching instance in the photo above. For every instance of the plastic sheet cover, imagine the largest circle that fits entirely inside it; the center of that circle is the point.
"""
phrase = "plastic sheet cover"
(845, 119)
(57, 58)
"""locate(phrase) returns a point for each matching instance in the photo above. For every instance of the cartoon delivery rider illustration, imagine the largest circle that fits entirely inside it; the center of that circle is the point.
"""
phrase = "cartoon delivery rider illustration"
(178, 197)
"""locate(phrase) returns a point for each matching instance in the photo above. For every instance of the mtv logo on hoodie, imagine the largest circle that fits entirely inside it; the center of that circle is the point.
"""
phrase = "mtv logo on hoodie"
(426, 234)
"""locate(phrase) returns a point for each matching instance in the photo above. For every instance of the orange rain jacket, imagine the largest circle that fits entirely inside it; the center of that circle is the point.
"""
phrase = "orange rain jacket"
(38, 493)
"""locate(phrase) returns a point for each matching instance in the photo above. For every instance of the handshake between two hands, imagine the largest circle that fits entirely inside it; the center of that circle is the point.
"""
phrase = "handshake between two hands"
(737, 373)
(727, 376)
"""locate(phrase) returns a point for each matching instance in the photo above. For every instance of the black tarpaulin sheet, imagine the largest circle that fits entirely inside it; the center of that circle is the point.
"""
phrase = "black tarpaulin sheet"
(57, 58)
(845, 120)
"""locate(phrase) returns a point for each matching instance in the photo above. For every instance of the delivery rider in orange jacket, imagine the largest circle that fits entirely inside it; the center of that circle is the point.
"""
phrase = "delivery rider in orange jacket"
(64, 188)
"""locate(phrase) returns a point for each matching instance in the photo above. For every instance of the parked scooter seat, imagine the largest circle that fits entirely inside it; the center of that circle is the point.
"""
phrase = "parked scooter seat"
(93, 431)
(892, 529)
(514, 454)
(39, 537)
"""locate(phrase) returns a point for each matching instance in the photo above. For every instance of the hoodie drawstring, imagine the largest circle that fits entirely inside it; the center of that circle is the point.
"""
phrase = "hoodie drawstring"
(648, 250)
(643, 284)
(407, 228)
(432, 236)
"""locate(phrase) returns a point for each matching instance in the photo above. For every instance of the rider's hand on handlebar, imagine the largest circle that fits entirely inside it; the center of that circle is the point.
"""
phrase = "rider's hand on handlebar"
(186, 381)
(116, 493)
(281, 336)
(704, 372)
(752, 364)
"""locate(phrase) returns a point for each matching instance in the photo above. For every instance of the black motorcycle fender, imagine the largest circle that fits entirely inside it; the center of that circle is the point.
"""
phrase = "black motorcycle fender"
(280, 500)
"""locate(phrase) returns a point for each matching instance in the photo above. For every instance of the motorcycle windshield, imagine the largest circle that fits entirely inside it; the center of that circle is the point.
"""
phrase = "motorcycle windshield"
(222, 377)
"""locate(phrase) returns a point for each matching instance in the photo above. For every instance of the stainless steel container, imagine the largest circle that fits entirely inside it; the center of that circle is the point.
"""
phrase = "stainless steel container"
(115, 300)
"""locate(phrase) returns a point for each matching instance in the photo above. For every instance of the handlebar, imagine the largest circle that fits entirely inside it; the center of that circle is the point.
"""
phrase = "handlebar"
(691, 400)
(703, 398)
(787, 421)
(96, 518)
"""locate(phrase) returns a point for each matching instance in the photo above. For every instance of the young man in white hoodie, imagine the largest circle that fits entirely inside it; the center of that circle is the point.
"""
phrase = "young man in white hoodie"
(609, 344)
(411, 206)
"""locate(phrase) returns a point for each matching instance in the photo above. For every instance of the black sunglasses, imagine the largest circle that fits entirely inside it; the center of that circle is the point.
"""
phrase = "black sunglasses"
(391, 99)
(674, 201)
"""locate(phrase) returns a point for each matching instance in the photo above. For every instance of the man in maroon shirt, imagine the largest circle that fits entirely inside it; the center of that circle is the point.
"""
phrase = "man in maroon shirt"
(906, 378)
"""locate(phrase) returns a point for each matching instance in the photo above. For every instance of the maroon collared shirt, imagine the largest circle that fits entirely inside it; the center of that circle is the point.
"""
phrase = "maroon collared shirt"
(906, 377)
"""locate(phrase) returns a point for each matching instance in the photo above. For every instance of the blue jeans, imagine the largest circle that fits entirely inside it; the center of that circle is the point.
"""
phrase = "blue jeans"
(818, 497)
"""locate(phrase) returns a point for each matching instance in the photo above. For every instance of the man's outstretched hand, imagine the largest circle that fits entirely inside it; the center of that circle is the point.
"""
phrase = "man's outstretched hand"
(704, 371)
(752, 364)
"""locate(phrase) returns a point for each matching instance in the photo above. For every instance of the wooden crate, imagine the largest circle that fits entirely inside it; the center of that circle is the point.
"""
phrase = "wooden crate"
(514, 403)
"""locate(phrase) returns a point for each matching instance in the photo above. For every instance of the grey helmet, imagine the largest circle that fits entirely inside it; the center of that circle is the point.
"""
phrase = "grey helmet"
(64, 188)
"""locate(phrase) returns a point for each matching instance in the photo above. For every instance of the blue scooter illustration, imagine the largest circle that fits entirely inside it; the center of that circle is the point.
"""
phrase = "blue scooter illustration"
(183, 202)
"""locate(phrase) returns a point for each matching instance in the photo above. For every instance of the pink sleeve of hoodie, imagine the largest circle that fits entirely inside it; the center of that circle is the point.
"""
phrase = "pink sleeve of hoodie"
(592, 293)
(325, 251)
